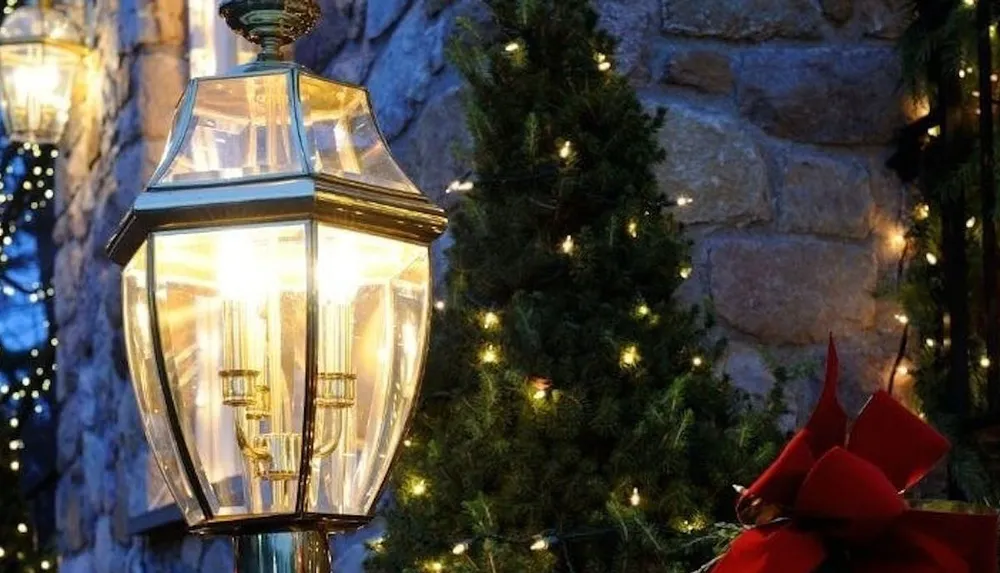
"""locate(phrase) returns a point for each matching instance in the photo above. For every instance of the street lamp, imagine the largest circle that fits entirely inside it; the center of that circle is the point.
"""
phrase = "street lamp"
(41, 49)
(276, 298)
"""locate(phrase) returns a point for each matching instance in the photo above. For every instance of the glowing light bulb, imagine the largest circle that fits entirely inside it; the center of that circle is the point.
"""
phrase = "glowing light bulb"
(22, 528)
(407, 443)
(984, 362)
(436, 566)
(439, 305)
(14, 422)
(460, 548)
(902, 319)
(930, 342)
(540, 544)
(685, 272)
(684, 201)
(697, 361)
(418, 488)
(489, 355)
(634, 499)
(567, 246)
(565, 150)
(512, 47)
(490, 320)
(3, 552)
(932, 259)
(633, 229)
(15, 465)
(642, 310)
(970, 223)
(46, 565)
(630, 356)
(902, 370)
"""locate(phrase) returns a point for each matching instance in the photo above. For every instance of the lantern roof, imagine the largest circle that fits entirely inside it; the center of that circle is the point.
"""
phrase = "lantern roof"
(37, 24)
(273, 142)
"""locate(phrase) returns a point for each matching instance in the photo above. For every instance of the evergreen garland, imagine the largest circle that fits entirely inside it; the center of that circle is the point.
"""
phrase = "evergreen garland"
(949, 294)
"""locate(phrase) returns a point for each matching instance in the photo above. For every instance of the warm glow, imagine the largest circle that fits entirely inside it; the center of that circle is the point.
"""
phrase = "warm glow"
(233, 321)
(460, 548)
(418, 487)
(697, 361)
(566, 150)
(567, 245)
(489, 355)
(635, 499)
(490, 320)
(540, 544)
(630, 356)
(984, 362)
(932, 259)
(684, 201)
(685, 272)
(922, 211)
(37, 92)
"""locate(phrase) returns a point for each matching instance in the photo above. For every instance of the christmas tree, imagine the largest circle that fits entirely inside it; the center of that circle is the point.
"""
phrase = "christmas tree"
(570, 418)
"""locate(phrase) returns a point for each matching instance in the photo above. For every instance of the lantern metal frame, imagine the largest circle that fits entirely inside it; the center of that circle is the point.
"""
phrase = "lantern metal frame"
(307, 197)
(80, 49)
(292, 541)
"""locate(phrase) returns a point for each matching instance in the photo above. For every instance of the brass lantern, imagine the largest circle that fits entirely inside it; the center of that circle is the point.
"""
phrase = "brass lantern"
(276, 301)
(41, 49)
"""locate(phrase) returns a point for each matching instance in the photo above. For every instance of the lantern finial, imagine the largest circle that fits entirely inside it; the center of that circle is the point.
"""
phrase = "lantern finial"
(270, 23)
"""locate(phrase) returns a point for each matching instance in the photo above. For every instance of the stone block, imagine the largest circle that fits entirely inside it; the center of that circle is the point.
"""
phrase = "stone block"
(315, 50)
(792, 290)
(836, 96)
(708, 71)
(426, 151)
(382, 15)
(161, 77)
(82, 563)
(191, 550)
(884, 19)
(748, 20)
(837, 11)
(712, 159)
(401, 74)
(108, 555)
(218, 557)
(94, 457)
(751, 372)
(824, 195)
(632, 23)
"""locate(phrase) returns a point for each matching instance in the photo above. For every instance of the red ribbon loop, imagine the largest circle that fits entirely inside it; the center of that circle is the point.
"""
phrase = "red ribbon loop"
(846, 490)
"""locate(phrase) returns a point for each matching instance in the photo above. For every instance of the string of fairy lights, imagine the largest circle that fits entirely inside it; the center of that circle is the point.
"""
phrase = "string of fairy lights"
(26, 192)
(541, 389)
(902, 367)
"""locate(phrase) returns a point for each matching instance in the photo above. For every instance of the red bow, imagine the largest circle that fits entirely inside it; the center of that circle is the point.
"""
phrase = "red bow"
(847, 494)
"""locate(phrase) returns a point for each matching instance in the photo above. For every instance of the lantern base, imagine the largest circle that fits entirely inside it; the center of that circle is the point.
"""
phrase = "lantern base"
(305, 551)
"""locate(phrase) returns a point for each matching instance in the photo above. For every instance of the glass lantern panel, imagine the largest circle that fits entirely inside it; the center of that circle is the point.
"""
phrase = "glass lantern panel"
(37, 82)
(342, 138)
(239, 127)
(148, 391)
(372, 297)
(232, 317)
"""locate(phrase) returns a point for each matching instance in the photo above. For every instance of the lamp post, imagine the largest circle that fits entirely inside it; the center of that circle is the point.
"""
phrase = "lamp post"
(41, 49)
(276, 302)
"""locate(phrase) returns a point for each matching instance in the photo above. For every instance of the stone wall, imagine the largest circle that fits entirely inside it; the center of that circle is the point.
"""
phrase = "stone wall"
(779, 116)
(117, 132)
